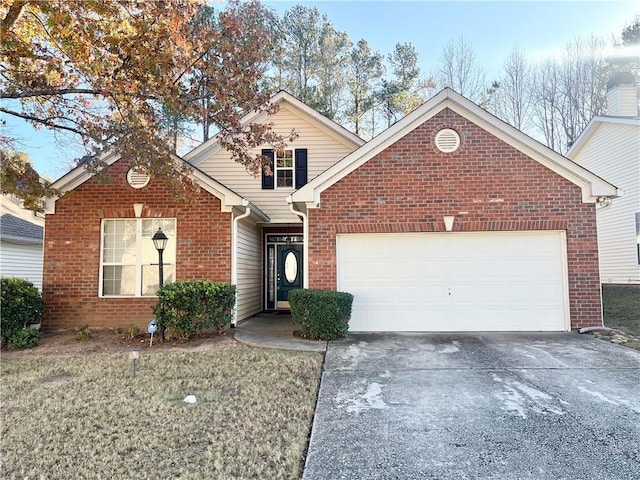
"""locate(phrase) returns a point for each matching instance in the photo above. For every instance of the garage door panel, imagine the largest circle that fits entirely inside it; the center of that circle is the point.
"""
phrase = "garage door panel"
(509, 281)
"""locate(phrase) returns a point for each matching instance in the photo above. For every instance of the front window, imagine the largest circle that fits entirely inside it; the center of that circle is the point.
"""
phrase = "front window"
(129, 261)
(284, 169)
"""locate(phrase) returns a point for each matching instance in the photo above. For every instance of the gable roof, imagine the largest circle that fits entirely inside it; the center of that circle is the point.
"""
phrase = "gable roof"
(592, 127)
(592, 186)
(228, 198)
(211, 146)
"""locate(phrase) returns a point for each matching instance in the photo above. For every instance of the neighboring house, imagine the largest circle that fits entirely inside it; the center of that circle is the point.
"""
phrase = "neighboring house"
(338, 213)
(610, 147)
(21, 232)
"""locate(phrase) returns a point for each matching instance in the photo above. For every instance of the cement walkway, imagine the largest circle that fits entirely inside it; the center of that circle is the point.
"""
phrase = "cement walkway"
(274, 331)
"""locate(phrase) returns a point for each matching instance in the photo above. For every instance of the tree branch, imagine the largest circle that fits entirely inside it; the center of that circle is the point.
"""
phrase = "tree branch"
(43, 121)
(13, 14)
(50, 93)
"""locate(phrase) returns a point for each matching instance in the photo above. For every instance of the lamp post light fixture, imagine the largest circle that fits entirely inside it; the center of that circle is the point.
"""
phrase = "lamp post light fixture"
(160, 242)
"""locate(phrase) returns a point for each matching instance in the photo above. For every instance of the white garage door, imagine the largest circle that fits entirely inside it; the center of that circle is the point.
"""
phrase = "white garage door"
(493, 281)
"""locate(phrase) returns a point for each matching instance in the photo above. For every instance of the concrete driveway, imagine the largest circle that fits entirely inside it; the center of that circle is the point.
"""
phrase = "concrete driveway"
(477, 406)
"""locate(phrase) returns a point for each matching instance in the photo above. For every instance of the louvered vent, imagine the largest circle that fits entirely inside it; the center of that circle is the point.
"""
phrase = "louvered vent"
(447, 140)
(137, 179)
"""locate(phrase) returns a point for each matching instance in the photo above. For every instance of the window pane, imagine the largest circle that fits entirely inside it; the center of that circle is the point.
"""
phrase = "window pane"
(150, 278)
(119, 241)
(149, 252)
(285, 178)
(118, 280)
(284, 159)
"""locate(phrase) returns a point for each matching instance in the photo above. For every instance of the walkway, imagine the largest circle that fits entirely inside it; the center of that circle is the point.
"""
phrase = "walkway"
(274, 331)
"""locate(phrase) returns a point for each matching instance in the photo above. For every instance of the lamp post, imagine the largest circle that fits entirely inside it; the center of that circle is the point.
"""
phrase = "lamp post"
(160, 242)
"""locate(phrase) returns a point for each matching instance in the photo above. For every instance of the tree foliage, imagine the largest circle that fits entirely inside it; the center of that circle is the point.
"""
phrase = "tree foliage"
(18, 177)
(365, 70)
(109, 71)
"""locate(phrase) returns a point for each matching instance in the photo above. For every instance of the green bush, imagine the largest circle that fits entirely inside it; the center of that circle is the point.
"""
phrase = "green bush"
(25, 338)
(188, 308)
(21, 306)
(321, 314)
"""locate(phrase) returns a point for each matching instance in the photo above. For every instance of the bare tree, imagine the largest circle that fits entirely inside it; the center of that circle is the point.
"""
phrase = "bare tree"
(514, 91)
(546, 99)
(569, 92)
(460, 71)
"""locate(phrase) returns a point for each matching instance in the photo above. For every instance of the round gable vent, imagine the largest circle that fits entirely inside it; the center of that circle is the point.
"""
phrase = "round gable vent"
(137, 179)
(447, 140)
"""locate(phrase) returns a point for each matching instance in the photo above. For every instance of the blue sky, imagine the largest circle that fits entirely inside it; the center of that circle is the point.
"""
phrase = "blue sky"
(540, 29)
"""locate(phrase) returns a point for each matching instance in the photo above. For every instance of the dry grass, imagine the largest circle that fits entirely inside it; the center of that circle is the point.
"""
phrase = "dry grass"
(85, 417)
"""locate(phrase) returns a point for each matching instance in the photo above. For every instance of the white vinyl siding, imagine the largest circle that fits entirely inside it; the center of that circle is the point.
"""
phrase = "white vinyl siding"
(613, 152)
(21, 261)
(480, 281)
(324, 148)
(249, 281)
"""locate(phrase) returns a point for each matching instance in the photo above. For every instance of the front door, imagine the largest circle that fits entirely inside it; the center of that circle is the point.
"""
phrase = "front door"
(289, 275)
(284, 270)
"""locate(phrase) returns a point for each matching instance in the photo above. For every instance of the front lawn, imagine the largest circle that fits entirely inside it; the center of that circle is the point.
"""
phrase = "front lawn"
(621, 305)
(86, 417)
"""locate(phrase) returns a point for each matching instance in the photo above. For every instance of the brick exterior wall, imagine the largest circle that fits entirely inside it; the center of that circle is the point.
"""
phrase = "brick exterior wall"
(411, 185)
(72, 248)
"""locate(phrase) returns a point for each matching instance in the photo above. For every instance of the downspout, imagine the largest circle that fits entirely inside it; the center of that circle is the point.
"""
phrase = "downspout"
(305, 244)
(234, 256)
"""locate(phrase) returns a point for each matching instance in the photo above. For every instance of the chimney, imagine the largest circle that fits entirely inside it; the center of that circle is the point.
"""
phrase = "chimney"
(622, 99)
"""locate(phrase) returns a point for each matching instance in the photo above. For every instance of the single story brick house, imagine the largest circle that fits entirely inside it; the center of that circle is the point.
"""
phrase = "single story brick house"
(450, 220)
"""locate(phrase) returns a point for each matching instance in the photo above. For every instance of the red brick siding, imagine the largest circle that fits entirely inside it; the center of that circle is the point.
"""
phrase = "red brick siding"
(72, 248)
(411, 185)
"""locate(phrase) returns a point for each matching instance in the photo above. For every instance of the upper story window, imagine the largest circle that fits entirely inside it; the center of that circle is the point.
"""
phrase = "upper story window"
(284, 169)
(129, 261)
(288, 167)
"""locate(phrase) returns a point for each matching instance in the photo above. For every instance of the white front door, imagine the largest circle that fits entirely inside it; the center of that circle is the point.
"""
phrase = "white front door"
(484, 281)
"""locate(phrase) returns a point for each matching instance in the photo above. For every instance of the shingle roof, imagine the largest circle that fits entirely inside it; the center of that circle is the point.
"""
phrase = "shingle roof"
(12, 226)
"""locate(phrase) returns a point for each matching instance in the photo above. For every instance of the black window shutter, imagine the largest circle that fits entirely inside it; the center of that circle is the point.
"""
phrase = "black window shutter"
(268, 180)
(301, 167)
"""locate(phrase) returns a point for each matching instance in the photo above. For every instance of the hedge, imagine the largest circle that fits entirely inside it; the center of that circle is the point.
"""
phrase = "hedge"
(321, 314)
(190, 307)
(21, 306)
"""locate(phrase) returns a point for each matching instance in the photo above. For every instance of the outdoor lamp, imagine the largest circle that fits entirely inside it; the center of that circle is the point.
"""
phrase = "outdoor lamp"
(160, 242)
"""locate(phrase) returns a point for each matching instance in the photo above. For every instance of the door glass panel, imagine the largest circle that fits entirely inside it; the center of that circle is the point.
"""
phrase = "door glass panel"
(291, 267)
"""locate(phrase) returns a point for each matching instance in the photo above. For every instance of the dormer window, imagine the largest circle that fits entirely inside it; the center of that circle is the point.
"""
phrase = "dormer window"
(289, 168)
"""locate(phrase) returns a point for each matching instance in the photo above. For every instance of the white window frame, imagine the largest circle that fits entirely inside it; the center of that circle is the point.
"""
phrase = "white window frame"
(138, 265)
(292, 169)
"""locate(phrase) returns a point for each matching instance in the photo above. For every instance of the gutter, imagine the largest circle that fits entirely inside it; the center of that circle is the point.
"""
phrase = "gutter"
(21, 240)
(305, 242)
(234, 256)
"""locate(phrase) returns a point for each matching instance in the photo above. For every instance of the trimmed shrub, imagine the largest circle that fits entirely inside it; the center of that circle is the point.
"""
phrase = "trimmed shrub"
(188, 308)
(321, 314)
(21, 306)
(25, 338)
